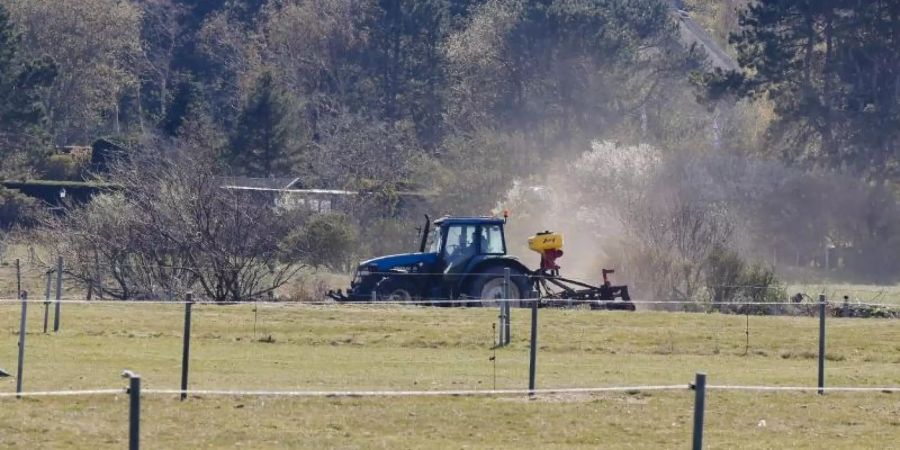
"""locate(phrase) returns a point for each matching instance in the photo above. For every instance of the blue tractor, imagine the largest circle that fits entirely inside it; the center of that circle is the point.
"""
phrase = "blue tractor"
(466, 258)
(463, 257)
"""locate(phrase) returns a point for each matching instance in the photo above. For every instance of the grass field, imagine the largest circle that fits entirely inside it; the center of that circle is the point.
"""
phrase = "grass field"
(351, 348)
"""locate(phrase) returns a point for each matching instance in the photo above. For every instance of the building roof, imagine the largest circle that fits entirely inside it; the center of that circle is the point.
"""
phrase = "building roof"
(470, 220)
(260, 183)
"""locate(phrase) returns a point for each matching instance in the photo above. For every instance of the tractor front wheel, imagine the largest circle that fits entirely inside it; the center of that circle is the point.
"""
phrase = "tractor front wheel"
(395, 290)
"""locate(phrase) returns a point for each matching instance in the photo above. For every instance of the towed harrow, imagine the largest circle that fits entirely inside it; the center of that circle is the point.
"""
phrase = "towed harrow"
(565, 292)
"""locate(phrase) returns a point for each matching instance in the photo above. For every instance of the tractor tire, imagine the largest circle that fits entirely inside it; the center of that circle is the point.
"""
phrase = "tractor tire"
(489, 285)
(396, 290)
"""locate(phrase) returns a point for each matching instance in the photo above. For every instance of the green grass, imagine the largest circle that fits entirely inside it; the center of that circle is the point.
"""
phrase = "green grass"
(350, 348)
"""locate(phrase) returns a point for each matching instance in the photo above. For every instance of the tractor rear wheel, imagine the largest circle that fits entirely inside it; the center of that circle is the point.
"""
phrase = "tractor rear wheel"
(489, 285)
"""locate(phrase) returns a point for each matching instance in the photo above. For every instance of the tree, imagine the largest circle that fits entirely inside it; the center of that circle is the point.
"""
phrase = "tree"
(364, 153)
(830, 68)
(163, 32)
(264, 142)
(95, 45)
(317, 48)
(379, 58)
(406, 62)
(474, 169)
(187, 96)
(16, 208)
(22, 113)
(173, 228)
(563, 72)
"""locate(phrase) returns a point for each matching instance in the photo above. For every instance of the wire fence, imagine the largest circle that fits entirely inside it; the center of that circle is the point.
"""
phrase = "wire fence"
(435, 347)
(700, 388)
(431, 302)
(447, 393)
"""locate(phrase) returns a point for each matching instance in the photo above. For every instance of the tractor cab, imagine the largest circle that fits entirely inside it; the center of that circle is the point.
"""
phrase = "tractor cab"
(460, 241)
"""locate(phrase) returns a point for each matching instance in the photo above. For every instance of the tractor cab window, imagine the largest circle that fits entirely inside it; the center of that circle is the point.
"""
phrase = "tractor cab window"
(492, 240)
(435, 240)
(460, 243)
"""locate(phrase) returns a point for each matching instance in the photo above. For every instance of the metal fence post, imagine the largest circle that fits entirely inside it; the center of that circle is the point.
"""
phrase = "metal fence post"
(24, 297)
(134, 413)
(59, 271)
(533, 361)
(504, 311)
(508, 309)
(822, 344)
(699, 409)
(47, 300)
(508, 327)
(186, 349)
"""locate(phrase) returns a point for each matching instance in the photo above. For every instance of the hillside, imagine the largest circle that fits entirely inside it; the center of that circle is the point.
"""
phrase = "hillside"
(689, 144)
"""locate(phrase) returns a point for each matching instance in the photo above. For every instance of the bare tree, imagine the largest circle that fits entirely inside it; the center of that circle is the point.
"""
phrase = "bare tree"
(173, 228)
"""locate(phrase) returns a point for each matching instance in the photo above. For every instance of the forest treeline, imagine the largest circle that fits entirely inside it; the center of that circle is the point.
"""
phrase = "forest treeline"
(273, 86)
(467, 99)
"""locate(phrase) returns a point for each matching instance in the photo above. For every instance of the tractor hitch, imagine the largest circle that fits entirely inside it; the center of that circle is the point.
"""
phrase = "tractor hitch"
(337, 295)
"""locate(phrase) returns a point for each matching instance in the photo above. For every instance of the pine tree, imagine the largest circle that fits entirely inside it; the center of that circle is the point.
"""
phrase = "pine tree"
(187, 96)
(406, 63)
(23, 133)
(264, 141)
(830, 68)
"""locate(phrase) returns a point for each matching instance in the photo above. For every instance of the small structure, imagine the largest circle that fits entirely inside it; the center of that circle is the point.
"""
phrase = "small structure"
(289, 194)
(285, 193)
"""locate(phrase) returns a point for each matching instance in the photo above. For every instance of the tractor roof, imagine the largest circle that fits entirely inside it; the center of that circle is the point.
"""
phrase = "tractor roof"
(469, 220)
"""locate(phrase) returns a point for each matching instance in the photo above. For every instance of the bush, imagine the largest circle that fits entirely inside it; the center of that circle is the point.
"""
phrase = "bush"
(724, 269)
(327, 240)
(16, 208)
(730, 280)
(66, 167)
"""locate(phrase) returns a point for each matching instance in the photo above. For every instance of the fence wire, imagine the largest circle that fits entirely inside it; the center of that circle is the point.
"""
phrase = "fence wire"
(75, 393)
(560, 302)
(449, 393)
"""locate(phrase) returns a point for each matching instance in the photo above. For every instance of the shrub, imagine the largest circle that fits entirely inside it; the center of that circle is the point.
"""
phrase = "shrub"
(65, 167)
(724, 269)
(730, 280)
(16, 208)
(327, 240)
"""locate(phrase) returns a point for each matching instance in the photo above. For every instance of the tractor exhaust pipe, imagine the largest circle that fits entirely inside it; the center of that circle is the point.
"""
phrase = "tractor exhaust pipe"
(425, 234)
